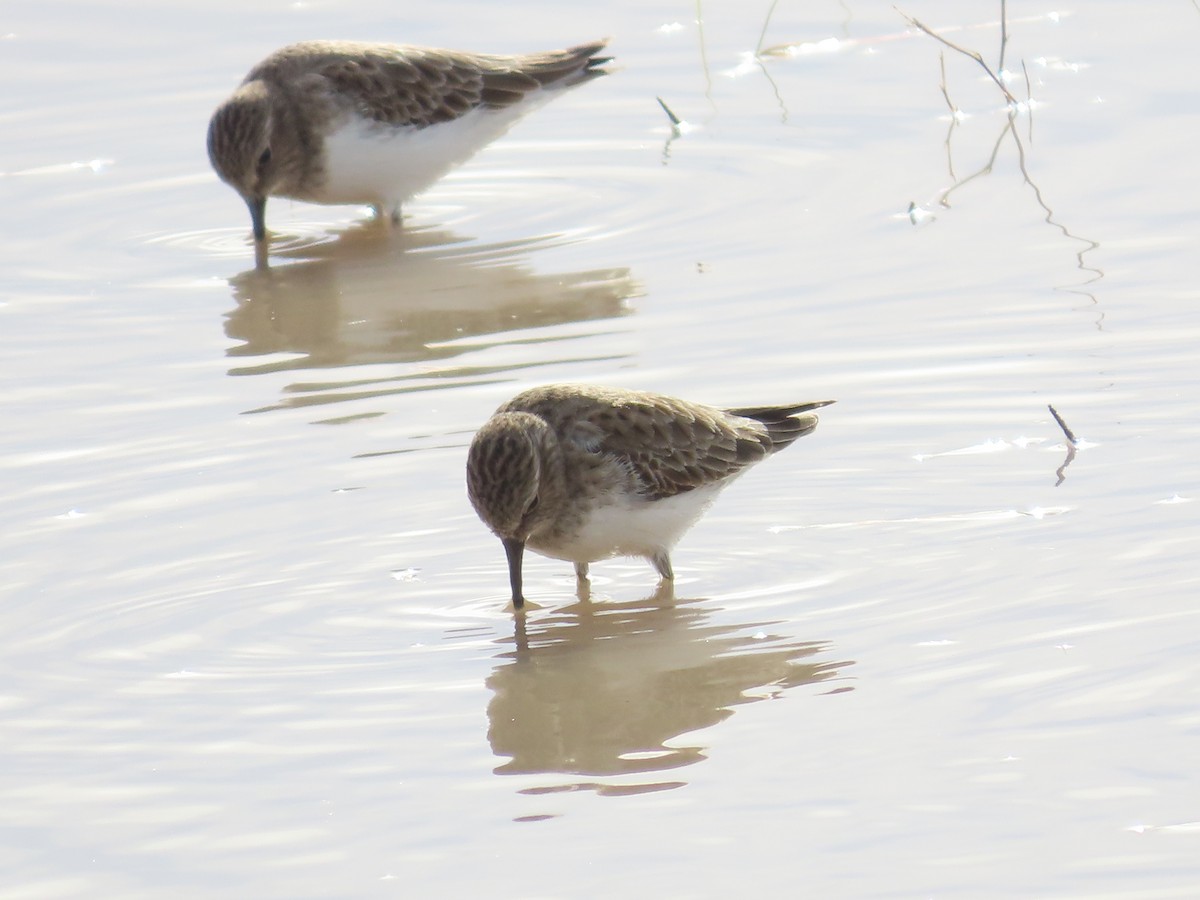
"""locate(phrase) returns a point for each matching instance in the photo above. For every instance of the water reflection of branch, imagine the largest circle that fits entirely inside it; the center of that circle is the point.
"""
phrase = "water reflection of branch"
(1028, 99)
(676, 129)
(944, 199)
(1061, 471)
(1091, 245)
(783, 110)
(1014, 107)
(955, 115)
(1072, 441)
(762, 36)
(1095, 274)
(849, 18)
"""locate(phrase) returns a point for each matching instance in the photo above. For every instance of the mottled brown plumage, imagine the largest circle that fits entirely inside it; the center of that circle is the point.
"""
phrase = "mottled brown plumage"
(273, 136)
(581, 472)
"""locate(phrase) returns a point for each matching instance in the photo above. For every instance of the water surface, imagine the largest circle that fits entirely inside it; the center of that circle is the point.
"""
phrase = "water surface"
(255, 641)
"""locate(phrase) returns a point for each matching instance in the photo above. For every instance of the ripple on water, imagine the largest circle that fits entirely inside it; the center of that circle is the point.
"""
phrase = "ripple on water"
(236, 242)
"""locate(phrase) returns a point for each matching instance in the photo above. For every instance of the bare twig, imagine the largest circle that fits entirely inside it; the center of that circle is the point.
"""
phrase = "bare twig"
(1003, 34)
(1063, 425)
(708, 95)
(766, 22)
(973, 54)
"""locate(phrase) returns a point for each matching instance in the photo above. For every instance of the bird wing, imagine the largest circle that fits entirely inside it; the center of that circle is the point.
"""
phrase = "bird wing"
(669, 446)
(675, 450)
(784, 424)
(399, 85)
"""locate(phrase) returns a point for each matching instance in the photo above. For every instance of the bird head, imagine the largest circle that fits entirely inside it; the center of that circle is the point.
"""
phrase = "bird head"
(240, 149)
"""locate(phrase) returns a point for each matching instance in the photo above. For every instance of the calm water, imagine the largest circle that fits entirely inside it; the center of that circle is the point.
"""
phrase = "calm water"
(253, 638)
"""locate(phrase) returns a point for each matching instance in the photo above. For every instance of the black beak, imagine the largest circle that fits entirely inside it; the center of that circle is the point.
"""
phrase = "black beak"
(258, 216)
(514, 549)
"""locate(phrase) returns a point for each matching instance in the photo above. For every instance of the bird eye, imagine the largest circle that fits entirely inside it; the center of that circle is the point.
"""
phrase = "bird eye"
(533, 504)
(264, 158)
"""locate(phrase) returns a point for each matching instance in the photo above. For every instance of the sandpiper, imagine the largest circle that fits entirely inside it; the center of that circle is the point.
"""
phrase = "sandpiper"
(354, 122)
(580, 472)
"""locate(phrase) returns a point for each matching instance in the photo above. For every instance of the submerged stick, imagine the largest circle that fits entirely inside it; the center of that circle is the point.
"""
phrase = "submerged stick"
(675, 120)
(1071, 439)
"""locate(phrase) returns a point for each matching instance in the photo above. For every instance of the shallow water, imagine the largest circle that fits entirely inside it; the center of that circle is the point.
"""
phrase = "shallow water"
(254, 638)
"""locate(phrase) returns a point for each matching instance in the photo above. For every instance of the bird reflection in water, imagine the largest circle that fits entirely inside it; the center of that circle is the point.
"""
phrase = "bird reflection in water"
(419, 296)
(604, 689)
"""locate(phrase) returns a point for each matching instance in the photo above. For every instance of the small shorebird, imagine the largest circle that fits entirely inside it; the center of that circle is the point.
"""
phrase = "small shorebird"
(581, 473)
(353, 122)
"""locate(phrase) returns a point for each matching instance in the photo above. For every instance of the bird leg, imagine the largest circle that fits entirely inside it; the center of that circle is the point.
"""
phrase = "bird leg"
(662, 562)
(389, 214)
